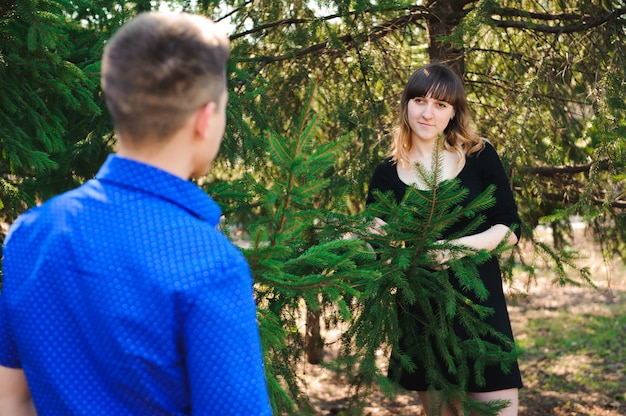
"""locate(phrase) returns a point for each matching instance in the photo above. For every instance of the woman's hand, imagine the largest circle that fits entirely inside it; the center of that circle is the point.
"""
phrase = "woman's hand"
(444, 255)
(377, 227)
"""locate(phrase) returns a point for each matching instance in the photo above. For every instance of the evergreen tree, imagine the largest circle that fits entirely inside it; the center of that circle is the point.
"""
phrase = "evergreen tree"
(535, 72)
(303, 255)
(295, 247)
(53, 129)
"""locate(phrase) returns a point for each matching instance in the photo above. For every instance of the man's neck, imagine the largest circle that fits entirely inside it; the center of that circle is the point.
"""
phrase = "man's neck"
(168, 156)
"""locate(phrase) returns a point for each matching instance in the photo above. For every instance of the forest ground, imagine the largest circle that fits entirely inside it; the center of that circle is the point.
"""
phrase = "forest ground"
(573, 342)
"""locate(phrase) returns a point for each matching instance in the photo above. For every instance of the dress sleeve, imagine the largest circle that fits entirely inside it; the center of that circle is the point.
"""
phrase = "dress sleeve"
(223, 349)
(492, 172)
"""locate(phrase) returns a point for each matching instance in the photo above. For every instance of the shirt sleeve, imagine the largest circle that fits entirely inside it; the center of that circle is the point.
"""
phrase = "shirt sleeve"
(504, 210)
(223, 348)
(8, 350)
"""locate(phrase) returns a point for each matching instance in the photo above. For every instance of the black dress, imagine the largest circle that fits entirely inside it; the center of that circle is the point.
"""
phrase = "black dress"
(480, 170)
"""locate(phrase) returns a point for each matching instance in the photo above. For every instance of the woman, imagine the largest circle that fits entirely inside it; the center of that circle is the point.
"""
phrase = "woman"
(435, 121)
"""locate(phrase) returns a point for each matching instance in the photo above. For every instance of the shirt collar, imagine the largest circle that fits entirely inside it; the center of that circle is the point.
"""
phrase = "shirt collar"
(149, 179)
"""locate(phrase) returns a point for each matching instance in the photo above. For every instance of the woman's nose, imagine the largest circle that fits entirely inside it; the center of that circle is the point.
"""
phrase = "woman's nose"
(428, 111)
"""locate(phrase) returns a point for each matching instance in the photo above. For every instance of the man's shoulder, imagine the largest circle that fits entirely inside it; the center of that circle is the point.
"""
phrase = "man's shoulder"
(68, 201)
(55, 213)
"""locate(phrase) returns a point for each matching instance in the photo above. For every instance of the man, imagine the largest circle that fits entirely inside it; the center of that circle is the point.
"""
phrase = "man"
(121, 297)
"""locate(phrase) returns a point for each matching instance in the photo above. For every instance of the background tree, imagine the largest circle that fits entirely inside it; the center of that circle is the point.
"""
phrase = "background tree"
(527, 69)
(543, 79)
(54, 130)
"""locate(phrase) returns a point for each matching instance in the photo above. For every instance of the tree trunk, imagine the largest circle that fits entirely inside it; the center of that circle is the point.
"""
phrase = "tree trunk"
(445, 16)
(313, 342)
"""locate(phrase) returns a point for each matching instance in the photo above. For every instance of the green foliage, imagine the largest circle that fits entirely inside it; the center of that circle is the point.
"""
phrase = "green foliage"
(538, 76)
(53, 129)
(295, 247)
(544, 91)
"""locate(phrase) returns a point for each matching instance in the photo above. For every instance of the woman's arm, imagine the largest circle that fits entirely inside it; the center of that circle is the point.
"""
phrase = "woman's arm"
(488, 240)
(15, 398)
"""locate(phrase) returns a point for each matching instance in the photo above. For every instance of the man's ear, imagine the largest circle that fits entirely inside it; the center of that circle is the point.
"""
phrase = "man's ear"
(204, 117)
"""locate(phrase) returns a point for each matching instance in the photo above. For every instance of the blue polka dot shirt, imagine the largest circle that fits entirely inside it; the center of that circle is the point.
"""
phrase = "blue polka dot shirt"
(122, 297)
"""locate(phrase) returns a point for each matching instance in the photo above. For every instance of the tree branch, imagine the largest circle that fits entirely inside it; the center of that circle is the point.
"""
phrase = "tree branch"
(586, 21)
(508, 87)
(509, 12)
(556, 197)
(284, 22)
(552, 171)
(415, 13)
(233, 11)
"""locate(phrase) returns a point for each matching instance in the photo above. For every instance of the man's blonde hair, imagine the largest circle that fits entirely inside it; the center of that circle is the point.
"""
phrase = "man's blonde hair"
(158, 69)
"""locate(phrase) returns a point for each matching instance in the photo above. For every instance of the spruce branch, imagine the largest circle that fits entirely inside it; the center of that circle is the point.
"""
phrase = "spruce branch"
(296, 247)
(583, 22)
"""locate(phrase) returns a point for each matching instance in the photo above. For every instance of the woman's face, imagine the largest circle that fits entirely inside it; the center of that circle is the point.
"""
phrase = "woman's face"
(427, 117)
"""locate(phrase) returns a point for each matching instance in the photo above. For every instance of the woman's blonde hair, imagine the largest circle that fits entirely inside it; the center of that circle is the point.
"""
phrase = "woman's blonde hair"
(440, 82)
